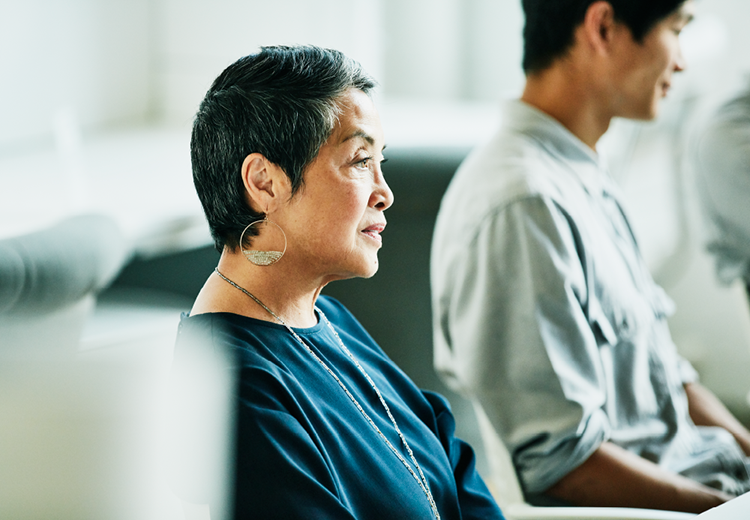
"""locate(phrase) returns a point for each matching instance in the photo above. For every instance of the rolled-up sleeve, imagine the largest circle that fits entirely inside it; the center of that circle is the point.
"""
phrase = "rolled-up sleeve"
(520, 334)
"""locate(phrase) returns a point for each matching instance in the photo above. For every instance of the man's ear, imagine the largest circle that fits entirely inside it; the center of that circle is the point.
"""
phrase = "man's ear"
(598, 26)
(266, 184)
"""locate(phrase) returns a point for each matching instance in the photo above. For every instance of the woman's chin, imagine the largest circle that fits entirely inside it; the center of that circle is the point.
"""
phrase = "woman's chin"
(368, 270)
(365, 271)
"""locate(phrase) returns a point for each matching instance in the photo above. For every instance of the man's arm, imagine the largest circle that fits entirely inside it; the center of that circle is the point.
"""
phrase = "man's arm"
(706, 410)
(613, 476)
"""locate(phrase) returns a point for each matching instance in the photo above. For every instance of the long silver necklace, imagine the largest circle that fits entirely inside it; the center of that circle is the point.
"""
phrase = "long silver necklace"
(420, 479)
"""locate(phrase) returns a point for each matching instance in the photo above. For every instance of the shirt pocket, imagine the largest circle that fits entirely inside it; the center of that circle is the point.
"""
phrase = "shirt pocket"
(626, 365)
(610, 324)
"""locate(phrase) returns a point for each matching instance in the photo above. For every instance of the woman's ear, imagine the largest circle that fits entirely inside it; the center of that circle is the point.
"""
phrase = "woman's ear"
(266, 184)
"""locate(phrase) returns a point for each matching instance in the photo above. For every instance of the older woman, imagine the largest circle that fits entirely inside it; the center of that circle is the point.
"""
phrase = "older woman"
(287, 150)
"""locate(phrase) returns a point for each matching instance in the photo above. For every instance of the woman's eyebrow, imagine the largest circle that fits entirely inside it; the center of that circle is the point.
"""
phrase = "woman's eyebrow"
(361, 134)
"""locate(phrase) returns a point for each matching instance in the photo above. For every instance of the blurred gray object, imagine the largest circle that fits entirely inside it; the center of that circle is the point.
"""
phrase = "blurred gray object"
(55, 453)
(48, 282)
(720, 156)
(83, 371)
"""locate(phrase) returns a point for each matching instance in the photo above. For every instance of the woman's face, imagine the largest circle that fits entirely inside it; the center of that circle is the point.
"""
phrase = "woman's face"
(334, 222)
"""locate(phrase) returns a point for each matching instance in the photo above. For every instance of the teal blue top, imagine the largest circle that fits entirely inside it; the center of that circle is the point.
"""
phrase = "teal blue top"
(304, 450)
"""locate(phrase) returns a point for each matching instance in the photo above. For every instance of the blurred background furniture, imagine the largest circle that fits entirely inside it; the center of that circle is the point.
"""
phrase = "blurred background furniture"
(80, 431)
(49, 280)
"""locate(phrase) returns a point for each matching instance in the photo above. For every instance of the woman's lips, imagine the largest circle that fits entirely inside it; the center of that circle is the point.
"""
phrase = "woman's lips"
(374, 232)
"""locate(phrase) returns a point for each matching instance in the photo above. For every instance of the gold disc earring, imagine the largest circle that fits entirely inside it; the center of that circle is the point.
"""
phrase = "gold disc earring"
(257, 256)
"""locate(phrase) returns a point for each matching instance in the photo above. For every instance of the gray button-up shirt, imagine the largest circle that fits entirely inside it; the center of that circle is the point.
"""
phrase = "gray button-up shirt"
(545, 312)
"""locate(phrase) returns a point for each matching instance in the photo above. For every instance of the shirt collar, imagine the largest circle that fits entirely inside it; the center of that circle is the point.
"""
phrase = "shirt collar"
(550, 134)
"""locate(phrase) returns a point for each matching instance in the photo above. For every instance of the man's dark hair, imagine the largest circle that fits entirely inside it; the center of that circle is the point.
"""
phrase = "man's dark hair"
(282, 103)
(550, 25)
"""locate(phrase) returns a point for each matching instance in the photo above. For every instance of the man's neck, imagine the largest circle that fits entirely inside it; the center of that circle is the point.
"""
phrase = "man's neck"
(566, 96)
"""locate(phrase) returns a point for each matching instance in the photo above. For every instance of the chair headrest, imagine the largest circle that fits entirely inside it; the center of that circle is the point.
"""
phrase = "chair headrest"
(48, 269)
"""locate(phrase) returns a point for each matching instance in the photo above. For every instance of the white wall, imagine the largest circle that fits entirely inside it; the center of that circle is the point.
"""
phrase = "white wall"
(452, 49)
(89, 55)
(128, 61)
(197, 39)
(736, 15)
(423, 48)
(494, 49)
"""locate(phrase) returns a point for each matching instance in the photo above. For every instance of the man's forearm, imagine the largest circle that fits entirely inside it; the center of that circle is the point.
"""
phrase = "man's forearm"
(707, 410)
(612, 476)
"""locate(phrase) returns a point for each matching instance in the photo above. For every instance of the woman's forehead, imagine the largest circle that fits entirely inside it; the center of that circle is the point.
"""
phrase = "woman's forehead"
(358, 121)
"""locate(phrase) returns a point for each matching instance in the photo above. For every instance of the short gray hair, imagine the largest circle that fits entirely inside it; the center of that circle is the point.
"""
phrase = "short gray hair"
(282, 103)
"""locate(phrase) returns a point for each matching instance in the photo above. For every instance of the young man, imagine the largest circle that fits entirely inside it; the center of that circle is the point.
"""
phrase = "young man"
(545, 312)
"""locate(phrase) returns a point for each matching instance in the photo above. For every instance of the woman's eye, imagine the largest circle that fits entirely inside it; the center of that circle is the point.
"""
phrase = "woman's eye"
(364, 163)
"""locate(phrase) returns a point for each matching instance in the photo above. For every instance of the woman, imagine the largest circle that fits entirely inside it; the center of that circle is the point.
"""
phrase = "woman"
(287, 150)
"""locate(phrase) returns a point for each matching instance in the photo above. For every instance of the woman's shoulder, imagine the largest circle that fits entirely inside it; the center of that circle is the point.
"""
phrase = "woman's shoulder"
(359, 341)
(331, 306)
(241, 340)
(343, 320)
(213, 326)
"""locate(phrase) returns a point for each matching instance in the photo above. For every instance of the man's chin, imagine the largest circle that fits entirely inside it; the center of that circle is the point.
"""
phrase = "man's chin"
(646, 115)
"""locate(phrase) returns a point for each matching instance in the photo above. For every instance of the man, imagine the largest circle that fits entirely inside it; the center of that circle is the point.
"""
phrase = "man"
(722, 162)
(545, 312)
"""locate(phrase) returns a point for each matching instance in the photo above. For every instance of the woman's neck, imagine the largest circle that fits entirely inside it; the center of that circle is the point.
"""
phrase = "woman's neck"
(280, 288)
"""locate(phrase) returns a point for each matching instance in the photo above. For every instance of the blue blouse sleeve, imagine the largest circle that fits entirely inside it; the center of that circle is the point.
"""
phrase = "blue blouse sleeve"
(474, 498)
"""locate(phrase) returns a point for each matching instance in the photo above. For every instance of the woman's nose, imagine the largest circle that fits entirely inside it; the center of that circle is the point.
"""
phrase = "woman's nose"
(382, 196)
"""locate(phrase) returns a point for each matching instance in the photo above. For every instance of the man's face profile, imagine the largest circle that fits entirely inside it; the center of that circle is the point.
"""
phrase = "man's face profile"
(647, 67)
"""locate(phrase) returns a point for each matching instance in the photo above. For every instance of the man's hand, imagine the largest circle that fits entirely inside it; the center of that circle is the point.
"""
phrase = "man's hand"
(706, 410)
